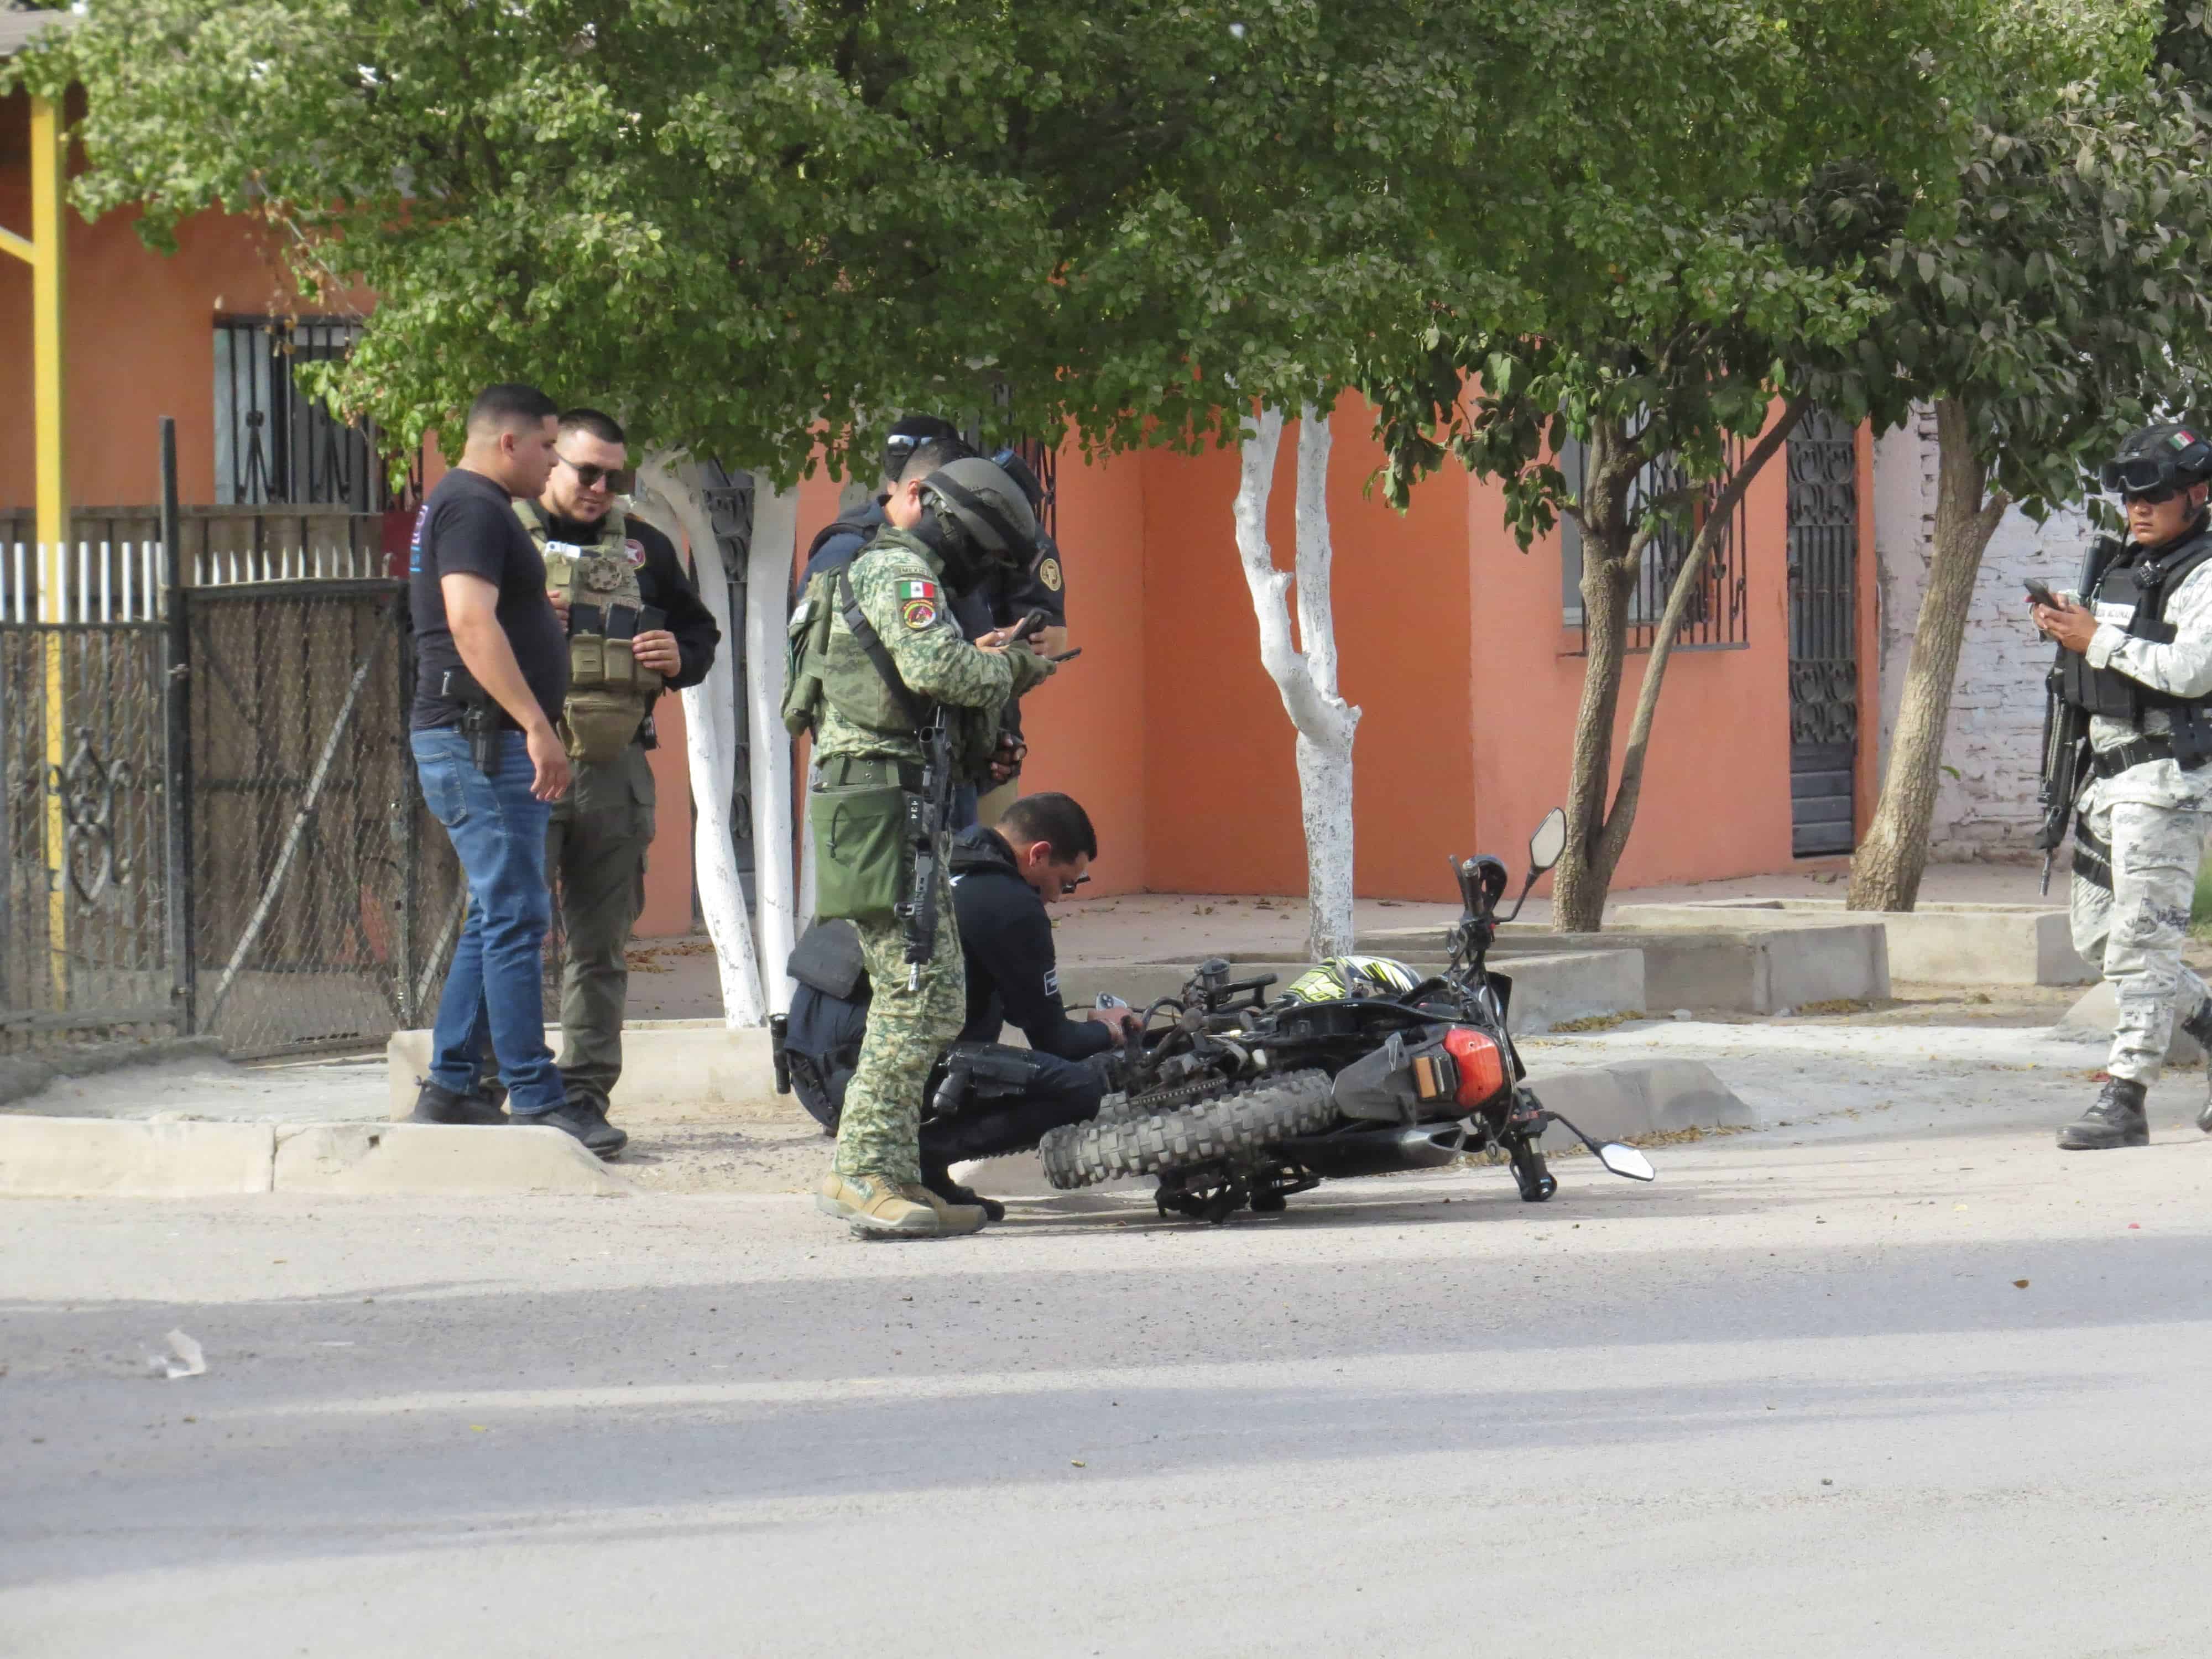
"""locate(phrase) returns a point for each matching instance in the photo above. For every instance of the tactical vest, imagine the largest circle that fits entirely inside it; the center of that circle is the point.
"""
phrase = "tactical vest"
(609, 694)
(853, 670)
(2131, 594)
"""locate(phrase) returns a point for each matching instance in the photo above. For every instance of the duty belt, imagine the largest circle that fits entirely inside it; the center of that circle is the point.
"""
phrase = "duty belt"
(2138, 752)
(853, 771)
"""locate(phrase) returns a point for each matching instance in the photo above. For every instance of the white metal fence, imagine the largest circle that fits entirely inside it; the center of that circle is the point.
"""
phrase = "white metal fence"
(123, 580)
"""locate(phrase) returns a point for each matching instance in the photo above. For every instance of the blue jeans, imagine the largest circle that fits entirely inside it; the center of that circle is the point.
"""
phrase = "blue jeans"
(498, 831)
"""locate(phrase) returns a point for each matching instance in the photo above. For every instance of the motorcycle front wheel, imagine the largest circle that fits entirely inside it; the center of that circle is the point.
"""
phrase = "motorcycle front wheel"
(1244, 1118)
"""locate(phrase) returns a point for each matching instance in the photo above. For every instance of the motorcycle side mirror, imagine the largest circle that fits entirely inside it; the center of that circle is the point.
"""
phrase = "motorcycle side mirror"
(1626, 1161)
(1548, 843)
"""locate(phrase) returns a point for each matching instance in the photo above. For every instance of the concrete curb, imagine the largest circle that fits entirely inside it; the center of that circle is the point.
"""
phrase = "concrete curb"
(22, 1076)
(1936, 944)
(2093, 1015)
(109, 1158)
(1638, 1098)
(673, 1070)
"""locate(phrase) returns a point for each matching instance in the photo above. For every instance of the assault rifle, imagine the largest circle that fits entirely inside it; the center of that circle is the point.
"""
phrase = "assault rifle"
(2065, 757)
(926, 812)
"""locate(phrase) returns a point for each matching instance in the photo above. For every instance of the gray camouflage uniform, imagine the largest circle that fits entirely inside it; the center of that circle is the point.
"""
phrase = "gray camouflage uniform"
(2151, 820)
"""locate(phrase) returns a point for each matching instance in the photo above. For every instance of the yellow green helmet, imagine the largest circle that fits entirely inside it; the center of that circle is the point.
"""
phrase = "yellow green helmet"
(1339, 978)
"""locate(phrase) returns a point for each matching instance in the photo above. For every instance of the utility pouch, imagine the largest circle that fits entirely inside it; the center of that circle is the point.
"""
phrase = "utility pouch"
(859, 852)
(806, 647)
(617, 667)
(587, 659)
(596, 727)
(828, 957)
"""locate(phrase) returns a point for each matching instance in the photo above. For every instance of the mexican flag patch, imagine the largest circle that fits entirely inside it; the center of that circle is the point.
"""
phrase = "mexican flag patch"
(917, 603)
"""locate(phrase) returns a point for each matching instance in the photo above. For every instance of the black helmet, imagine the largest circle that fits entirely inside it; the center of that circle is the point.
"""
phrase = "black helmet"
(909, 433)
(1010, 462)
(988, 505)
(2159, 457)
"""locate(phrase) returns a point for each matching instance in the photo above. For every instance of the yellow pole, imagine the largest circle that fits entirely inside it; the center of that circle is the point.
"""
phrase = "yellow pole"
(47, 226)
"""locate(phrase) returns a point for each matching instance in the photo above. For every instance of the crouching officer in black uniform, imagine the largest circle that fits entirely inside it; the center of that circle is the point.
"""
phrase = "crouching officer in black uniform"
(2135, 668)
(985, 1099)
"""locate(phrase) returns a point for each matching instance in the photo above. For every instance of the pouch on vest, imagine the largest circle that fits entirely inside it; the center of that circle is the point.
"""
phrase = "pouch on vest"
(806, 647)
(828, 957)
(597, 726)
(859, 852)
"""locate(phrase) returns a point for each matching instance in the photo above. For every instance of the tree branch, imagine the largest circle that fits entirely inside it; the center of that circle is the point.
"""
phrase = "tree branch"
(1621, 818)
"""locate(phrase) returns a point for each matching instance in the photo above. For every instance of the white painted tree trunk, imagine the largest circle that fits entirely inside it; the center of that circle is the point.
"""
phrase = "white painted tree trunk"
(767, 587)
(1306, 680)
(710, 734)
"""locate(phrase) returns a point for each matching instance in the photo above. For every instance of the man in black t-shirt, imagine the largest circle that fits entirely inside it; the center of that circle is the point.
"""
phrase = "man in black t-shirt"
(492, 669)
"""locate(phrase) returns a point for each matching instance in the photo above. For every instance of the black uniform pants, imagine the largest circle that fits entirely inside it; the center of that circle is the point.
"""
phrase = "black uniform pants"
(1062, 1091)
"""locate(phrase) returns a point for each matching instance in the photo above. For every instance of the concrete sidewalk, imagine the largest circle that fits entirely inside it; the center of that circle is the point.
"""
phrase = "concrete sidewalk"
(675, 978)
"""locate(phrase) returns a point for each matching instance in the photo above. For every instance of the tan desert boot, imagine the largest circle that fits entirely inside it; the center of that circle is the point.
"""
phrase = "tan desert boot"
(877, 1206)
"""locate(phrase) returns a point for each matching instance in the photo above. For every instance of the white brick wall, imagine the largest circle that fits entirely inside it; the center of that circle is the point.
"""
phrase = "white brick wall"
(1986, 807)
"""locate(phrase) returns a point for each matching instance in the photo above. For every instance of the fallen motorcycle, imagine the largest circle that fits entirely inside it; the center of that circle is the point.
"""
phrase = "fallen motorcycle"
(1359, 1067)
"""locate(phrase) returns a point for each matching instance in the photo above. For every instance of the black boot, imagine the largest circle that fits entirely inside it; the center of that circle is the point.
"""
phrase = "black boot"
(937, 1176)
(2117, 1120)
(2199, 1026)
(435, 1105)
(584, 1119)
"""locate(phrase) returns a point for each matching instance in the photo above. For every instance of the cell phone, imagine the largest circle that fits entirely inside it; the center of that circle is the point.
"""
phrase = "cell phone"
(1066, 656)
(2039, 591)
(1028, 625)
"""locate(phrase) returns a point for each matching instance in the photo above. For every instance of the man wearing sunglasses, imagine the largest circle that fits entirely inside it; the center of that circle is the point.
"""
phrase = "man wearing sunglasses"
(628, 605)
(2136, 655)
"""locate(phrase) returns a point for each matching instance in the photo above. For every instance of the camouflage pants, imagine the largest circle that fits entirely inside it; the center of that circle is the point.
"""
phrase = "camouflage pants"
(880, 1131)
(2134, 929)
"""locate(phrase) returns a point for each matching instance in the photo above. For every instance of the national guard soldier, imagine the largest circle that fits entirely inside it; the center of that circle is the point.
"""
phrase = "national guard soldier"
(897, 701)
(2135, 659)
(983, 605)
(635, 626)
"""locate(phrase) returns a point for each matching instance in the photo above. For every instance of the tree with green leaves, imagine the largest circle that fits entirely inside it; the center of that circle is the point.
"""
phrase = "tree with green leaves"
(756, 233)
(1671, 375)
(2064, 306)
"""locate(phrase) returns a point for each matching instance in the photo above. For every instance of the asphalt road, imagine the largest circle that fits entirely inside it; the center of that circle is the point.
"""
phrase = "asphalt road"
(1791, 1399)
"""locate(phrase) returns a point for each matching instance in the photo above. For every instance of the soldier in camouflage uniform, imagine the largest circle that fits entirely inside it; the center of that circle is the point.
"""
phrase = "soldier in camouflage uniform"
(942, 524)
(2138, 657)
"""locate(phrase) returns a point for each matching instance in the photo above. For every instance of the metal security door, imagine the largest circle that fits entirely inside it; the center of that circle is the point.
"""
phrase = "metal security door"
(1824, 670)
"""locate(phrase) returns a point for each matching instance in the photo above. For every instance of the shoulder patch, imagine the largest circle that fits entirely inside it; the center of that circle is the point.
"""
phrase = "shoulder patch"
(918, 614)
(912, 588)
(1048, 572)
(634, 550)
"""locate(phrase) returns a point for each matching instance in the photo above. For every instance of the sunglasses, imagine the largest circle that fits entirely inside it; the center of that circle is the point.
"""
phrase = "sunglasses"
(1069, 887)
(618, 479)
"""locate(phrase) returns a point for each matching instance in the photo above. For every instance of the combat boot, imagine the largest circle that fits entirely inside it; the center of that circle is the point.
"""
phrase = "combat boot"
(937, 1176)
(2117, 1120)
(438, 1104)
(2199, 1026)
(877, 1206)
(954, 1216)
